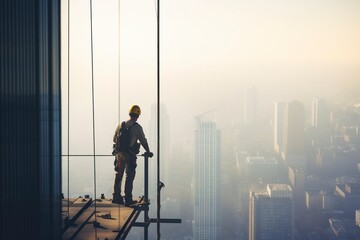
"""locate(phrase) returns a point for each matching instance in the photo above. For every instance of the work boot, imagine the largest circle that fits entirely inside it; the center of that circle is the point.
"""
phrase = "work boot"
(117, 199)
(129, 202)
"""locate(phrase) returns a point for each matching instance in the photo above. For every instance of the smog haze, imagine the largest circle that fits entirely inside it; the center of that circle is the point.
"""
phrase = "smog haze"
(212, 53)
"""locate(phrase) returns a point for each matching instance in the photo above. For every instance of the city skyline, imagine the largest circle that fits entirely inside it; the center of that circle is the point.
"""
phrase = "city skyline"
(295, 174)
(284, 50)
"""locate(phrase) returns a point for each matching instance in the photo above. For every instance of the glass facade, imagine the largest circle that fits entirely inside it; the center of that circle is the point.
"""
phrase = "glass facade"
(30, 119)
(207, 192)
(271, 214)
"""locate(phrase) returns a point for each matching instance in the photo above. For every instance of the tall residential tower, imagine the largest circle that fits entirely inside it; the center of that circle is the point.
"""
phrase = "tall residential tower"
(207, 180)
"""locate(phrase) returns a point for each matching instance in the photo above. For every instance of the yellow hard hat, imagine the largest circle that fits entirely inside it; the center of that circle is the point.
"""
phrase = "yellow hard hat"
(135, 109)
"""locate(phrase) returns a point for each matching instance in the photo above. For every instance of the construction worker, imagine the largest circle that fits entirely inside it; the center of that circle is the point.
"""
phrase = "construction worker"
(126, 158)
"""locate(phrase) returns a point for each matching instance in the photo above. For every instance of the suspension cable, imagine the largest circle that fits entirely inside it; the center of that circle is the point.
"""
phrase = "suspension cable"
(119, 27)
(158, 122)
(68, 114)
(93, 107)
(119, 63)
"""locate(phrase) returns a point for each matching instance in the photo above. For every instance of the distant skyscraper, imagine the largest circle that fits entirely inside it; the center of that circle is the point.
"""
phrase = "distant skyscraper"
(271, 213)
(207, 181)
(320, 113)
(297, 182)
(164, 146)
(250, 106)
(293, 148)
(279, 126)
(294, 128)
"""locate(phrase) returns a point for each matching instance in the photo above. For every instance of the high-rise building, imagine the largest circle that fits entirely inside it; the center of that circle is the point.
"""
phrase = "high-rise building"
(250, 106)
(30, 119)
(207, 181)
(294, 128)
(271, 213)
(293, 147)
(297, 182)
(314, 199)
(349, 195)
(320, 113)
(279, 126)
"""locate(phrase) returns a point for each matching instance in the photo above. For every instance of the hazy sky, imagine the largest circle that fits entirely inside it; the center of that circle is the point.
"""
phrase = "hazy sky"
(210, 52)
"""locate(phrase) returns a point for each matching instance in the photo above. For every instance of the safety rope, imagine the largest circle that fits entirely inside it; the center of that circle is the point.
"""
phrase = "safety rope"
(119, 64)
(93, 107)
(68, 115)
(158, 122)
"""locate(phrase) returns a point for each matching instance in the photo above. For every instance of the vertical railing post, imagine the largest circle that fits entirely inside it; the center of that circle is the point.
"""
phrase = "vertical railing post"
(146, 196)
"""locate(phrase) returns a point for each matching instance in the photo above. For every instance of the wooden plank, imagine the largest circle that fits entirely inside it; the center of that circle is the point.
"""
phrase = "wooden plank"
(130, 221)
(111, 218)
(66, 203)
(78, 224)
(74, 210)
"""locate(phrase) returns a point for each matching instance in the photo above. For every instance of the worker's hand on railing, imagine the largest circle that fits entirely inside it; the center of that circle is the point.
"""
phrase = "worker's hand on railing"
(148, 154)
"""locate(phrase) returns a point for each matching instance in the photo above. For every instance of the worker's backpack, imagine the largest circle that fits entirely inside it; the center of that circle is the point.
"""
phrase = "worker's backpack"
(123, 138)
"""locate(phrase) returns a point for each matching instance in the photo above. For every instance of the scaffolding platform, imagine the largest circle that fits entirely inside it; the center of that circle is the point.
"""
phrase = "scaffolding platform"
(82, 219)
(113, 221)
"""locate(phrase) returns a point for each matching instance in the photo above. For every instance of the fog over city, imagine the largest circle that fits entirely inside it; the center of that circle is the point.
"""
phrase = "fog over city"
(226, 63)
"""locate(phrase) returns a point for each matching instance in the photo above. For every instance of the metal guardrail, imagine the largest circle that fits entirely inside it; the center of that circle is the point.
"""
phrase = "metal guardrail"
(145, 205)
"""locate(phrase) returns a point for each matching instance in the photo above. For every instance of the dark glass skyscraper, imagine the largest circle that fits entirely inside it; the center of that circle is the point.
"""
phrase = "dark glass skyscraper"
(30, 119)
